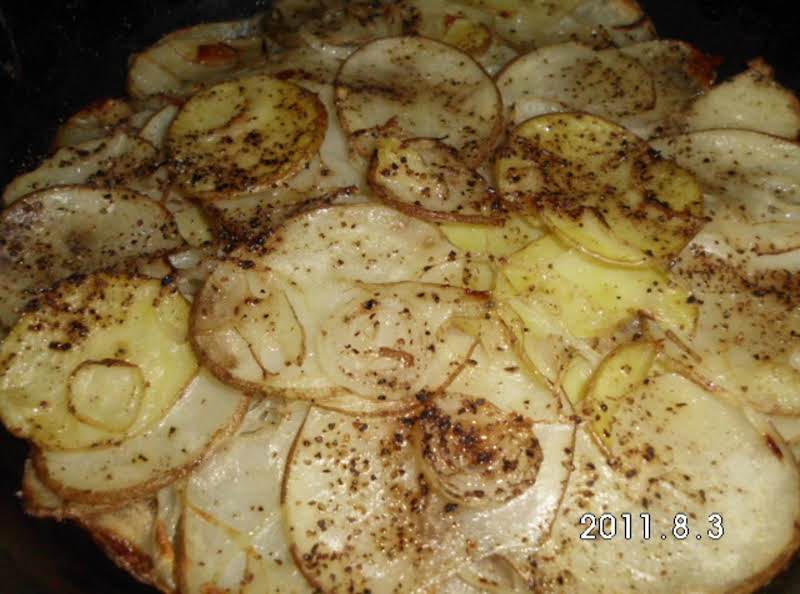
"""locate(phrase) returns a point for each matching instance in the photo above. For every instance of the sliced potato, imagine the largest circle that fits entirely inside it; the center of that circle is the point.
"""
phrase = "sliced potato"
(232, 137)
(349, 530)
(752, 100)
(422, 88)
(607, 83)
(598, 186)
(105, 162)
(593, 298)
(157, 126)
(93, 122)
(426, 178)
(492, 240)
(232, 534)
(205, 414)
(76, 374)
(185, 59)
(50, 235)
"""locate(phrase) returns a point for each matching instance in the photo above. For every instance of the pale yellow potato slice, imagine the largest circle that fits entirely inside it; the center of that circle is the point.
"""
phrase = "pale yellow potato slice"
(186, 59)
(157, 126)
(233, 534)
(493, 240)
(50, 235)
(426, 178)
(410, 87)
(77, 374)
(600, 187)
(752, 100)
(670, 460)
(242, 136)
(605, 83)
(93, 122)
(104, 162)
(349, 530)
(205, 414)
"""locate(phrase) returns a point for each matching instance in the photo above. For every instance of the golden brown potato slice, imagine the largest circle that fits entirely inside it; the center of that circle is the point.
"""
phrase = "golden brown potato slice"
(93, 122)
(409, 87)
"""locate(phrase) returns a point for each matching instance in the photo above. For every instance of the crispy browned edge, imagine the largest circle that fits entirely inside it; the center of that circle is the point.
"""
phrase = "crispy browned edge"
(98, 106)
(434, 216)
(494, 135)
(320, 126)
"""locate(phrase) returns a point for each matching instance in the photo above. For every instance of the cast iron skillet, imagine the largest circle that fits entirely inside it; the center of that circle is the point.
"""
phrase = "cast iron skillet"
(56, 57)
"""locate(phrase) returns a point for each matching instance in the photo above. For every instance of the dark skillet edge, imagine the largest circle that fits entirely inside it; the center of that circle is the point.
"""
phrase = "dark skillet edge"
(72, 53)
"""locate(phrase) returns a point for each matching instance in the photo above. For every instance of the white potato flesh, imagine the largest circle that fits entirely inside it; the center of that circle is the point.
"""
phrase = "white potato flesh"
(302, 64)
(415, 87)
(394, 531)
(93, 122)
(752, 100)
(206, 413)
(729, 467)
(234, 500)
(186, 59)
(752, 174)
(427, 179)
(105, 162)
(76, 374)
(50, 235)
(157, 126)
(606, 83)
(242, 136)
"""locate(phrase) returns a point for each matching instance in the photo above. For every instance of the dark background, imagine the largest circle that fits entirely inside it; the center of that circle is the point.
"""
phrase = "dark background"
(56, 57)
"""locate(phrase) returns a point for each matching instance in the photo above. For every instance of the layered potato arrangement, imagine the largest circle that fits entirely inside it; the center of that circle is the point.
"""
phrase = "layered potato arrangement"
(386, 296)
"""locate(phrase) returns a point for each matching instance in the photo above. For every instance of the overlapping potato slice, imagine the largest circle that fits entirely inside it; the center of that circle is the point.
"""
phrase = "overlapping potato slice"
(730, 468)
(76, 373)
(205, 413)
(755, 179)
(573, 75)
(242, 136)
(93, 122)
(155, 129)
(426, 178)
(233, 534)
(752, 100)
(186, 59)
(592, 298)
(104, 162)
(495, 241)
(599, 187)
(407, 87)
(367, 518)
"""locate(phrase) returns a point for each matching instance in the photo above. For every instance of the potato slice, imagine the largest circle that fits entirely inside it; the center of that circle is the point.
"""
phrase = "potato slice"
(593, 298)
(232, 534)
(753, 175)
(93, 122)
(426, 178)
(752, 100)
(598, 186)
(492, 240)
(185, 59)
(232, 138)
(621, 372)
(399, 531)
(205, 414)
(104, 162)
(732, 471)
(157, 126)
(50, 235)
(76, 374)
(422, 88)
(606, 83)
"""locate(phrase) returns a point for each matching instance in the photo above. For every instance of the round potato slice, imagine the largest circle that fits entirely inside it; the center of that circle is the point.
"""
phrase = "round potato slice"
(205, 414)
(232, 533)
(410, 87)
(104, 162)
(188, 58)
(50, 235)
(608, 84)
(599, 187)
(425, 178)
(367, 518)
(675, 470)
(93, 122)
(243, 136)
(95, 360)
